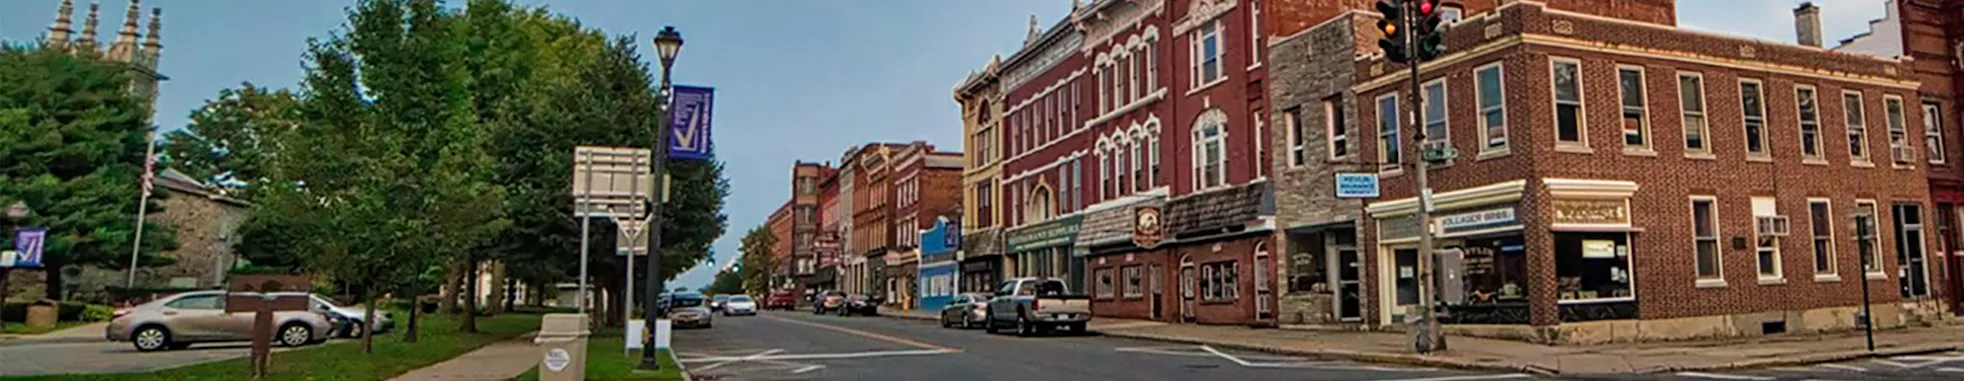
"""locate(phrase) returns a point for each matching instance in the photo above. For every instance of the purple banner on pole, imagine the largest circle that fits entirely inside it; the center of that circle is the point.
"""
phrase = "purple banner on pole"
(688, 122)
(28, 243)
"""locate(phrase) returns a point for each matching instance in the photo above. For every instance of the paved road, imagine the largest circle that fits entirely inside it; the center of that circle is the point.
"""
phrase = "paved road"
(801, 346)
(23, 359)
(1925, 367)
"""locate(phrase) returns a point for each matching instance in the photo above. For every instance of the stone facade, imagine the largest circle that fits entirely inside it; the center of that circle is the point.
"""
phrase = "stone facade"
(206, 224)
(1311, 73)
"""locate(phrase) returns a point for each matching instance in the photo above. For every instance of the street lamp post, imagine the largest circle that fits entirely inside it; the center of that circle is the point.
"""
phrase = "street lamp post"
(15, 213)
(667, 43)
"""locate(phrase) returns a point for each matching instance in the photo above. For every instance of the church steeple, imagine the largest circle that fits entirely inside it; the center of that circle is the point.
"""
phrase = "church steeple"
(88, 28)
(152, 41)
(59, 33)
(124, 49)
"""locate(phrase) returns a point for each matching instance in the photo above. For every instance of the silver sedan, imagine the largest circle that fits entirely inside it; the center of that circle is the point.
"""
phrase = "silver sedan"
(177, 321)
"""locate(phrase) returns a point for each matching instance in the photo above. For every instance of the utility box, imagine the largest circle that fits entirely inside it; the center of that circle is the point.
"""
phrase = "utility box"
(562, 347)
(42, 314)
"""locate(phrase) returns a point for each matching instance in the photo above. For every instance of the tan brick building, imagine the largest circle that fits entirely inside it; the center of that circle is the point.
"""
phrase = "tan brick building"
(1621, 179)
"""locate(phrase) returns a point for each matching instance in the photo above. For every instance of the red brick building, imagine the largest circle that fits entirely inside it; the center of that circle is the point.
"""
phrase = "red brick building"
(1620, 179)
(780, 225)
(927, 185)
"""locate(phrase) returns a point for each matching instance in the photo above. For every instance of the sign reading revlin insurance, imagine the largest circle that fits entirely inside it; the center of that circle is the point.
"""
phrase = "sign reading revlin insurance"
(689, 109)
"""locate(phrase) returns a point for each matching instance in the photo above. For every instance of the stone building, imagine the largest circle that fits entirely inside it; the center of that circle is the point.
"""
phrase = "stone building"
(1736, 186)
(140, 56)
(206, 223)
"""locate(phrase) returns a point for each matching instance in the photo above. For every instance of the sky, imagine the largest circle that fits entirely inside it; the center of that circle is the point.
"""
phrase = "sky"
(795, 79)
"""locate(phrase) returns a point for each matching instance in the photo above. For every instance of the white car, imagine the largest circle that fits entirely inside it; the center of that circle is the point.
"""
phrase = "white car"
(740, 305)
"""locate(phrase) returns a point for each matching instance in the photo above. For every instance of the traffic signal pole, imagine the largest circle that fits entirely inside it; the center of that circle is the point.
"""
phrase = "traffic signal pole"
(1412, 36)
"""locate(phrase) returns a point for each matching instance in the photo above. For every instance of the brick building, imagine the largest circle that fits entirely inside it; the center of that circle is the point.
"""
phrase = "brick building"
(829, 246)
(781, 227)
(926, 186)
(979, 256)
(800, 218)
(1931, 34)
(1736, 186)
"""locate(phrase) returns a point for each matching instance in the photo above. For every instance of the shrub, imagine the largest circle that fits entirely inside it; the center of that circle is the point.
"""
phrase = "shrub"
(97, 312)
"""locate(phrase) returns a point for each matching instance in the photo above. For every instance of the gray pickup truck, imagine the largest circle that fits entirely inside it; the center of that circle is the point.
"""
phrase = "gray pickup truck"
(1037, 305)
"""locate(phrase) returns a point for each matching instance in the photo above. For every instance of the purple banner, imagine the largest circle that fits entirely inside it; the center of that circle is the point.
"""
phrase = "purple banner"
(27, 243)
(688, 123)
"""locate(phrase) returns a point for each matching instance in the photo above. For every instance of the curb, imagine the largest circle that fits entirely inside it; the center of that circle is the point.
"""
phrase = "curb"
(13, 341)
(1813, 359)
(1406, 359)
(684, 369)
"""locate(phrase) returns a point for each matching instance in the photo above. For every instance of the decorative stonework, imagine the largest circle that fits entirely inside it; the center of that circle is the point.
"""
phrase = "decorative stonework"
(1493, 30)
(1748, 51)
(1046, 56)
(1562, 27)
(1201, 11)
(1107, 19)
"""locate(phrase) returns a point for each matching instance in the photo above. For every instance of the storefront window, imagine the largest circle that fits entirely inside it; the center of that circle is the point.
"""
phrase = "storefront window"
(1105, 285)
(1218, 281)
(1592, 267)
(1306, 261)
(1133, 285)
(1494, 271)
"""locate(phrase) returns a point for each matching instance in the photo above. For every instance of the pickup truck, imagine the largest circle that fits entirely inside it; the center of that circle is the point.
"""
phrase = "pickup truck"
(1037, 305)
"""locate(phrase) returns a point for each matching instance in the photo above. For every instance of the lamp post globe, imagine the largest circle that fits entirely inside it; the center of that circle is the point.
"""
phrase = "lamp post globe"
(667, 43)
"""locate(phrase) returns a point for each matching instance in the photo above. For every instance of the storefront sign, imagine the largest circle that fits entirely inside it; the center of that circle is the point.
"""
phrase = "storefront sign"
(1592, 212)
(1147, 231)
(1598, 248)
(1357, 185)
(1058, 232)
(1489, 218)
(1398, 227)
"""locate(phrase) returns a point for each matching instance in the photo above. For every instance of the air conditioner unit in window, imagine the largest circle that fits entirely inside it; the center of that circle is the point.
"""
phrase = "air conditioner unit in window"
(1774, 226)
(1903, 154)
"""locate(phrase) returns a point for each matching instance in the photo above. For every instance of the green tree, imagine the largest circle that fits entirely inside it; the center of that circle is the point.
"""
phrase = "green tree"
(759, 264)
(72, 145)
(230, 137)
(727, 282)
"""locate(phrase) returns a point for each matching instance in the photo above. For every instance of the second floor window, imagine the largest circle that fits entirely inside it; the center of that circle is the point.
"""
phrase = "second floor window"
(1898, 133)
(1436, 133)
(985, 201)
(1810, 123)
(1292, 123)
(1851, 105)
(1933, 133)
(1569, 124)
(1207, 53)
(1636, 131)
(1754, 112)
(1691, 103)
(1388, 141)
(1210, 151)
(1336, 127)
(1493, 106)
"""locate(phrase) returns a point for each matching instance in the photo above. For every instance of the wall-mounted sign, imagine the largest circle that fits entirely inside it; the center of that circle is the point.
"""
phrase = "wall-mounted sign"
(1592, 212)
(1059, 232)
(1357, 185)
(1147, 231)
(1405, 226)
(1483, 219)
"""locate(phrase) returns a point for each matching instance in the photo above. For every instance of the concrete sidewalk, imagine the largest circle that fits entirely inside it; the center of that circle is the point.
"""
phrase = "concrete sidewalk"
(1479, 353)
(499, 361)
(78, 334)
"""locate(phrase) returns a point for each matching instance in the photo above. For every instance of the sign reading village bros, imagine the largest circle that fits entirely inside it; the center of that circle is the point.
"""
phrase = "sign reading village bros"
(1476, 220)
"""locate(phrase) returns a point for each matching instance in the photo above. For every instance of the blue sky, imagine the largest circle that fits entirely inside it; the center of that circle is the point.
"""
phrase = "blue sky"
(795, 79)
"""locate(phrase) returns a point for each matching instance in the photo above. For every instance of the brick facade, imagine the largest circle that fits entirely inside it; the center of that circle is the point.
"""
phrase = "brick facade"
(1655, 182)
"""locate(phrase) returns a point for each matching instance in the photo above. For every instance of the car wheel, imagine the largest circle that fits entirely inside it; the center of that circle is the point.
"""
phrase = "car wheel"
(355, 329)
(1022, 326)
(1078, 328)
(151, 339)
(968, 321)
(989, 322)
(945, 323)
(294, 335)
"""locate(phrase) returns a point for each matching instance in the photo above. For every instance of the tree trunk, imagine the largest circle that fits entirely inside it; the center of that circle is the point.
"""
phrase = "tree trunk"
(415, 310)
(470, 296)
(511, 294)
(52, 291)
(497, 294)
(452, 282)
(368, 315)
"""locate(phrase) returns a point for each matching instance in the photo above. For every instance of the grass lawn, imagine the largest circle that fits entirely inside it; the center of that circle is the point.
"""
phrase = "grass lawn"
(18, 328)
(605, 362)
(342, 360)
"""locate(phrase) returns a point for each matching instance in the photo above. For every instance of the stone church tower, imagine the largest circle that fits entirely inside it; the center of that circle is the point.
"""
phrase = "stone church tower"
(141, 57)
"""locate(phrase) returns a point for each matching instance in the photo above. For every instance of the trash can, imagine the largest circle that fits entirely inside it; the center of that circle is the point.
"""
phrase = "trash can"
(43, 314)
(562, 347)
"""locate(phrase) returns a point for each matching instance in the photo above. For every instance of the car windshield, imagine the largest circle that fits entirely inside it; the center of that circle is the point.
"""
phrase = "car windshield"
(685, 302)
(740, 298)
(721, 298)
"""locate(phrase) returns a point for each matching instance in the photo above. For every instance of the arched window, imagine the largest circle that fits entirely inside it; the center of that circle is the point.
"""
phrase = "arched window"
(1138, 170)
(1041, 207)
(1209, 150)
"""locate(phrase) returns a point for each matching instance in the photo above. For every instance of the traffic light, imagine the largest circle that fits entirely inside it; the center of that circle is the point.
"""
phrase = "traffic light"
(1430, 29)
(1393, 26)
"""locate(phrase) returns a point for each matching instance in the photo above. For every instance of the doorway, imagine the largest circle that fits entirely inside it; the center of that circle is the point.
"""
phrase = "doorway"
(1158, 291)
(1914, 276)
(1263, 272)
(1187, 305)
(1350, 286)
(1405, 274)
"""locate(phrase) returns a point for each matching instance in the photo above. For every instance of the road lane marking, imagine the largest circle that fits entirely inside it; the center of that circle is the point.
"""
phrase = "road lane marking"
(1845, 367)
(825, 356)
(752, 357)
(869, 335)
(1952, 370)
(1224, 355)
(807, 369)
(1896, 364)
(1464, 378)
(1716, 376)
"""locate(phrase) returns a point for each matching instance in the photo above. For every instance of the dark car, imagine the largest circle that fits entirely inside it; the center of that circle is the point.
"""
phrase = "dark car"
(829, 301)
(966, 310)
(718, 302)
(689, 310)
(861, 304)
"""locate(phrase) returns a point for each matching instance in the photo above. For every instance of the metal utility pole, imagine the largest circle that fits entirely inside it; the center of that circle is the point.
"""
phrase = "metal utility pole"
(1413, 34)
(667, 43)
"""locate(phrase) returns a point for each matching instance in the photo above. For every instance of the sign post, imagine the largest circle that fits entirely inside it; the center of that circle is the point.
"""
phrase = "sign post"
(608, 182)
(28, 243)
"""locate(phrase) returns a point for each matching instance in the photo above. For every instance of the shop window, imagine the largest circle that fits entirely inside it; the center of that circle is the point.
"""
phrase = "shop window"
(1217, 282)
(1306, 260)
(1592, 267)
(1105, 285)
(1134, 287)
(1494, 270)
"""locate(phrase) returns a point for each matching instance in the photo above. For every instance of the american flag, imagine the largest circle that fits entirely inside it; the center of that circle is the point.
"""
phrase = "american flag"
(149, 165)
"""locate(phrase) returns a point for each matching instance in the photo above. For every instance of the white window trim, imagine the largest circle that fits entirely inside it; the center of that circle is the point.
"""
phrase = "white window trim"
(1718, 236)
(1486, 146)
(1292, 136)
(1704, 111)
(1332, 109)
(1779, 269)
(1384, 145)
(1445, 95)
(1889, 127)
(1867, 158)
(1581, 109)
(1745, 141)
(1876, 255)
(1643, 98)
(1833, 255)
(1196, 45)
(1255, 35)
(1260, 162)
(1933, 129)
(1200, 146)
(1800, 127)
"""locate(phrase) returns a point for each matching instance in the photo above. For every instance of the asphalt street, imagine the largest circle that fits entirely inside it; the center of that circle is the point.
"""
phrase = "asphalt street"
(1922, 367)
(802, 346)
(27, 359)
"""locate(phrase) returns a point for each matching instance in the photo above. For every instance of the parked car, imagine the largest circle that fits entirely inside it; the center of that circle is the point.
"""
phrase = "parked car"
(832, 301)
(716, 303)
(177, 321)
(349, 317)
(740, 305)
(862, 304)
(688, 310)
(965, 310)
(781, 300)
(1037, 305)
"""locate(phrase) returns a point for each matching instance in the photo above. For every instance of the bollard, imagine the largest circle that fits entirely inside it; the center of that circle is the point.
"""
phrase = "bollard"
(562, 346)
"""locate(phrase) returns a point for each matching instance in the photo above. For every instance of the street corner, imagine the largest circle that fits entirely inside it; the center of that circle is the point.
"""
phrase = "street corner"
(1209, 357)
(1934, 366)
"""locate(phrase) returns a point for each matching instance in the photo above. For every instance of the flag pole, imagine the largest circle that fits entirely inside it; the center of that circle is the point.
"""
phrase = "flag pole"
(143, 202)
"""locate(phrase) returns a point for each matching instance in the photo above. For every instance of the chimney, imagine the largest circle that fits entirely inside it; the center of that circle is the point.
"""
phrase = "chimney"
(1807, 24)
